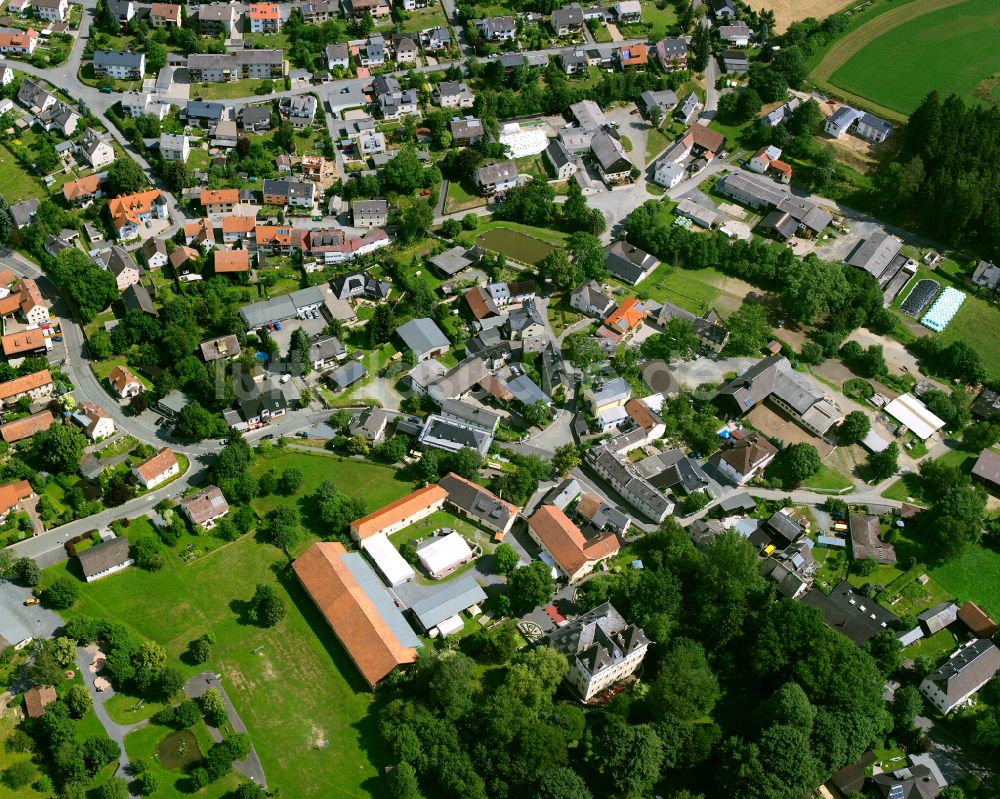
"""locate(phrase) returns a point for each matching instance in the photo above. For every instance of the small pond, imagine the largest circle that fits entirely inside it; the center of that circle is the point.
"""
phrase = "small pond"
(526, 249)
(178, 750)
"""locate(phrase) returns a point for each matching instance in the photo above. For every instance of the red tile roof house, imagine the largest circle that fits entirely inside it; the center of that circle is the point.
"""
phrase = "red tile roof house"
(353, 602)
(574, 556)
(13, 493)
(157, 469)
(206, 507)
(124, 382)
(399, 514)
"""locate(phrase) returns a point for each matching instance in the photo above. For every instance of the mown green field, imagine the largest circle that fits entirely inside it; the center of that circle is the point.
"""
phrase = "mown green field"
(306, 706)
(974, 576)
(952, 50)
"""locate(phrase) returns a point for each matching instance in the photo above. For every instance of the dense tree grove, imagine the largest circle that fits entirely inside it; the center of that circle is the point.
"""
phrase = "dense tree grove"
(747, 696)
(810, 291)
(948, 161)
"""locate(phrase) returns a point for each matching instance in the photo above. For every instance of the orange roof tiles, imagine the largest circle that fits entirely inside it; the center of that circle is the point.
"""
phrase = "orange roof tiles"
(22, 385)
(238, 224)
(263, 11)
(6, 277)
(26, 427)
(780, 166)
(12, 493)
(22, 40)
(84, 187)
(273, 235)
(165, 10)
(356, 622)
(25, 341)
(232, 261)
(627, 316)
(634, 55)
(640, 414)
(182, 255)
(706, 138)
(977, 620)
(120, 377)
(564, 541)
(217, 196)
(157, 464)
(395, 512)
(128, 207)
(477, 303)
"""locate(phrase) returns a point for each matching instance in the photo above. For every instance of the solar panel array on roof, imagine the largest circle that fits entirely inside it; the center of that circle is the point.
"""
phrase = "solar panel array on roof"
(920, 297)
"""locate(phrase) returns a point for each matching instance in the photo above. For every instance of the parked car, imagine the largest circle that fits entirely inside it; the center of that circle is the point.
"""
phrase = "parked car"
(31, 601)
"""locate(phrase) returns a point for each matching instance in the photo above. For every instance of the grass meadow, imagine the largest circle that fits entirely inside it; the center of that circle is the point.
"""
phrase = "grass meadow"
(307, 708)
(951, 50)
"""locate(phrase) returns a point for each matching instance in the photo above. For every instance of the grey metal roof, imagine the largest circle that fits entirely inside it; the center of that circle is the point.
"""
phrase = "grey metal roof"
(452, 598)
(350, 372)
(103, 556)
(422, 336)
(372, 587)
(525, 391)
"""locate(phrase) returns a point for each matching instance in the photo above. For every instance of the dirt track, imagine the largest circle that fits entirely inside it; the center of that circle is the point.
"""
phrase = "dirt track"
(843, 50)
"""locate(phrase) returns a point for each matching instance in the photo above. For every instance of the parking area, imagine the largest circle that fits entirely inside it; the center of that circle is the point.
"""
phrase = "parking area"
(19, 622)
(312, 327)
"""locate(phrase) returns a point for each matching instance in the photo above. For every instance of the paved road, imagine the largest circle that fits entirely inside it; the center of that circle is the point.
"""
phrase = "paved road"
(198, 685)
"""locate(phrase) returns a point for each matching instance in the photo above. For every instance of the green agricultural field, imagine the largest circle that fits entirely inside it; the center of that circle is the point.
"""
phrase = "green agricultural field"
(377, 485)
(694, 290)
(952, 50)
(974, 576)
(303, 701)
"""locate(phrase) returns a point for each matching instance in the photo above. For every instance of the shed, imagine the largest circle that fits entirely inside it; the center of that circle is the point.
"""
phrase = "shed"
(393, 568)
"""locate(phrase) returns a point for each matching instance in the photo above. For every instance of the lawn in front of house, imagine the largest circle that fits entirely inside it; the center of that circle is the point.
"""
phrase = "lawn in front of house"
(314, 734)
(423, 18)
(561, 316)
(694, 290)
(103, 368)
(377, 485)
(909, 489)
(15, 183)
(656, 143)
(975, 576)
(231, 89)
(828, 479)
(462, 196)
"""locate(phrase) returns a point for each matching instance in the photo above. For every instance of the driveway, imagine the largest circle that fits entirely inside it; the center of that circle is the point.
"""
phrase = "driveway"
(198, 685)
(116, 732)
(18, 622)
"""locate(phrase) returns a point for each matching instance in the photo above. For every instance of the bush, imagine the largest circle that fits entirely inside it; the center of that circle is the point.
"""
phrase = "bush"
(19, 775)
(61, 594)
(866, 567)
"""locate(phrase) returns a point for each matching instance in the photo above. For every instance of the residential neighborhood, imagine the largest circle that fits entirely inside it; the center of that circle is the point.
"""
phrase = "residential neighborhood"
(614, 384)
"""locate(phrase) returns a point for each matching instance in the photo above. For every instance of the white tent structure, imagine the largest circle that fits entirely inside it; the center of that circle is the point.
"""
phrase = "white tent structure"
(445, 554)
(908, 410)
(394, 569)
(523, 142)
(449, 626)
